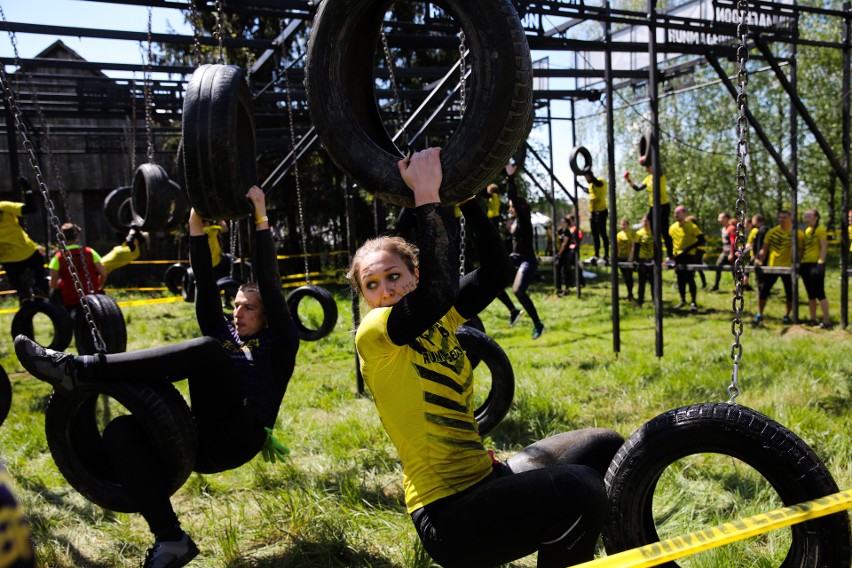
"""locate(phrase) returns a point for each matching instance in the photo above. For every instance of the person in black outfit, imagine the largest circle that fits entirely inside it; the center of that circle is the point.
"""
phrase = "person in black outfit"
(238, 373)
(523, 253)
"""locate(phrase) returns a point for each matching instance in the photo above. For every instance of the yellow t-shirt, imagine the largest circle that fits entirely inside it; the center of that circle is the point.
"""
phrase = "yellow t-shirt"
(750, 241)
(424, 395)
(15, 244)
(646, 244)
(813, 237)
(119, 256)
(648, 182)
(780, 245)
(683, 236)
(212, 232)
(597, 197)
(624, 242)
(493, 206)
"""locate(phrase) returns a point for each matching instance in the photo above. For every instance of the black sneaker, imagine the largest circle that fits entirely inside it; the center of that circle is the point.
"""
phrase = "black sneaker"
(54, 367)
(680, 304)
(786, 320)
(693, 308)
(171, 553)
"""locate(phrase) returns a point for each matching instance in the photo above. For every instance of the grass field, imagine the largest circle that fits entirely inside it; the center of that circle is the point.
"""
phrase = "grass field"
(338, 502)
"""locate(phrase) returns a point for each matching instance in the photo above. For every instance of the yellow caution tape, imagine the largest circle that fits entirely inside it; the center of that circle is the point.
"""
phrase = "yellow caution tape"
(698, 541)
(150, 301)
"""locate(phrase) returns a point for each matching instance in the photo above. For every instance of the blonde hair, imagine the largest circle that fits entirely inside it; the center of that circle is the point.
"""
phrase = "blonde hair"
(394, 245)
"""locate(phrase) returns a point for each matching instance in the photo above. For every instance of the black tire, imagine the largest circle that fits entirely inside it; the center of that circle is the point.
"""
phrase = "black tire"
(580, 154)
(219, 142)
(519, 158)
(63, 327)
(177, 207)
(646, 149)
(228, 288)
(499, 400)
(76, 444)
(187, 287)
(781, 457)
(117, 210)
(108, 319)
(5, 395)
(173, 277)
(339, 76)
(329, 311)
(151, 198)
(475, 323)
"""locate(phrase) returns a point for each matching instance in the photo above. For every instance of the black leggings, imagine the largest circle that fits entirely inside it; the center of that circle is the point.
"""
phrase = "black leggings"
(228, 433)
(526, 275)
(548, 498)
(599, 231)
(28, 276)
(627, 275)
(685, 278)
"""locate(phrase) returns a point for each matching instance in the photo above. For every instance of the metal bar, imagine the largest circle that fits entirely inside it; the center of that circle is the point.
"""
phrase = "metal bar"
(653, 99)
(610, 162)
(844, 223)
(753, 122)
(97, 66)
(803, 111)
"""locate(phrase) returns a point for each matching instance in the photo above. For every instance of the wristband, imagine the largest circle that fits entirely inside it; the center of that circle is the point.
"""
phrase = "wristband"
(259, 220)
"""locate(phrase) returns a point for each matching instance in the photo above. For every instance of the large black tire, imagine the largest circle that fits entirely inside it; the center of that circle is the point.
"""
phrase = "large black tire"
(177, 207)
(75, 440)
(580, 160)
(117, 209)
(173, 277)
(63, 327)
(5, 395)
(339, 80)
(475, 323)
(329, 311)
(646, 149)
(499, 400)
(219, 142)
(108, 319)
(187, 287)
(151, 198)
(781, 457)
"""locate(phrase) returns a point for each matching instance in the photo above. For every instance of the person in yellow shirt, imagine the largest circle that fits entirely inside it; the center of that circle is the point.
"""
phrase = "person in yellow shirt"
(812, 267)
(19, 254)
(686, 238)
(665, 207)
(468, 508)
(131, 248)
(624, 248)
(643, 256)
(599, 214)
(777, 250)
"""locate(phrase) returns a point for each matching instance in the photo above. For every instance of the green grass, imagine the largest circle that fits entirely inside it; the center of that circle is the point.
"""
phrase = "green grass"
(339, 502)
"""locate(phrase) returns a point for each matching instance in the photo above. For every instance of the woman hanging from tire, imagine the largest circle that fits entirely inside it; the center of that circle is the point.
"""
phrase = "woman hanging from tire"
(468, 509)
(237, 373)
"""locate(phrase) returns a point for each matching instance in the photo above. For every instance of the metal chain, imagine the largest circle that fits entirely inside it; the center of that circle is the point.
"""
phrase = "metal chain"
(51, 211)
(742, 153)
(149, 121)
(196, 32)
(233, 227)
(219, 32)
(398, 122)
(296, 175)
(132, 129)
(45, 127)
(463, 102)
(463, 73)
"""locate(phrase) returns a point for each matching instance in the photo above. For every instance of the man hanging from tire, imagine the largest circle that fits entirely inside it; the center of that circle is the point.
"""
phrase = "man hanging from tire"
(238, 373)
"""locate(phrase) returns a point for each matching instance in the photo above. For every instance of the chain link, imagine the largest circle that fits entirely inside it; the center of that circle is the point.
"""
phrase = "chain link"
(296, 175)
(133, 120)
(740, 207)
(398, 122)
(462, 105)
(196, 32)
(219, 32)
(51, 211)
(149, 120)
(463, 74)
